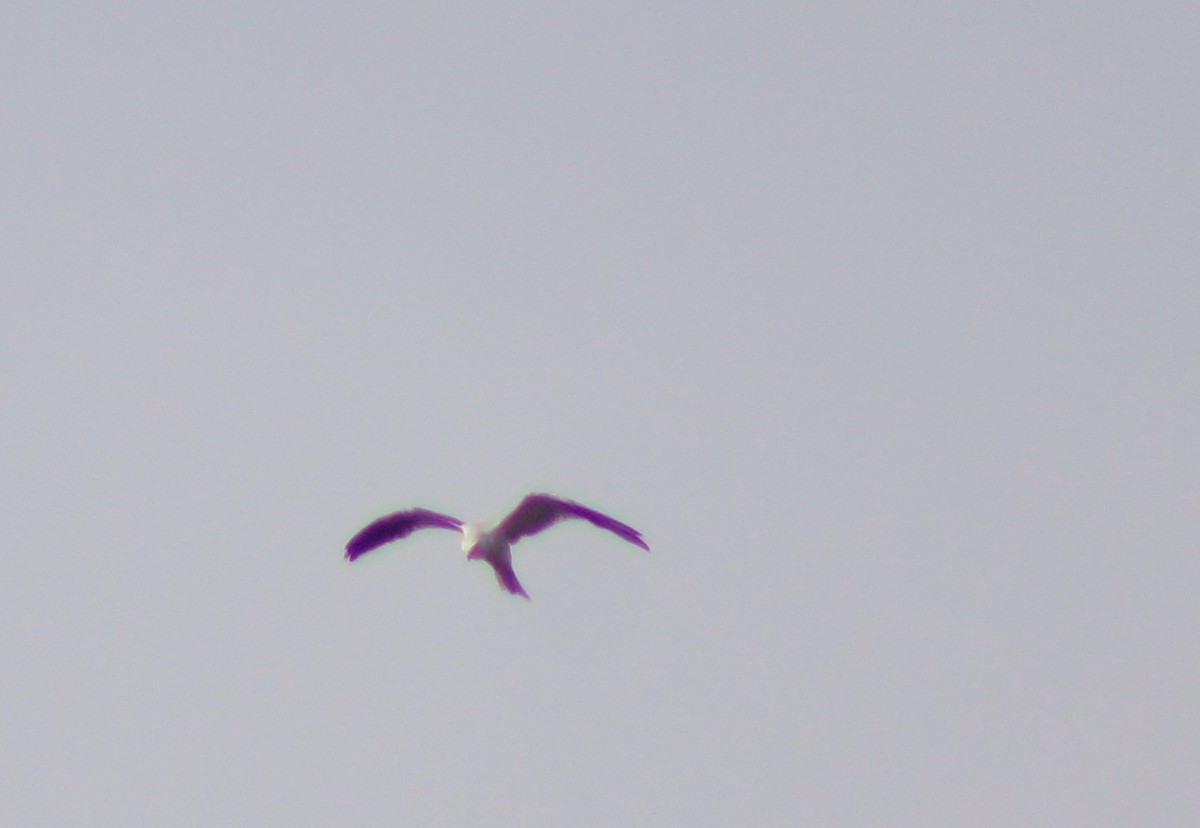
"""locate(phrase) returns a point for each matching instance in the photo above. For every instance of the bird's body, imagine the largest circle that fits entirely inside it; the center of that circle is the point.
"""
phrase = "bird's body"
(482, 543)
(535, 513)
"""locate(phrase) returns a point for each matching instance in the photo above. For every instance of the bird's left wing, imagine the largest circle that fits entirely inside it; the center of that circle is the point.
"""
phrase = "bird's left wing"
(395, 526)
(539, 511)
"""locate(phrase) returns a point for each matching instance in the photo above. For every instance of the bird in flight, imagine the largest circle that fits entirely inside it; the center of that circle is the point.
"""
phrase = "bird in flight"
(533, 514)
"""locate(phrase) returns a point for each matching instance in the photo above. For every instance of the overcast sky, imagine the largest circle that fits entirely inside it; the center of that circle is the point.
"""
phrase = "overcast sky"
(880, 321)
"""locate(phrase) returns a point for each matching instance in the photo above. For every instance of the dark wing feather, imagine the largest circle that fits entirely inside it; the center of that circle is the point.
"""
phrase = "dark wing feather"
(539, 511)
(395, 526)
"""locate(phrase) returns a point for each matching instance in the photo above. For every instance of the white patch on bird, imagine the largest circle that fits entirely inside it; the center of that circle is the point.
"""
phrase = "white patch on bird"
(473, 533)
(470, 535)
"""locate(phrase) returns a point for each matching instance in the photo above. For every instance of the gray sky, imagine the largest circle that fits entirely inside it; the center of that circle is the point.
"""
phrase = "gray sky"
(879, 320)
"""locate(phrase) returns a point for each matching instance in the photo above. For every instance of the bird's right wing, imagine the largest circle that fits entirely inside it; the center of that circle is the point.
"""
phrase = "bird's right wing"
(540, 511)
(395, 526)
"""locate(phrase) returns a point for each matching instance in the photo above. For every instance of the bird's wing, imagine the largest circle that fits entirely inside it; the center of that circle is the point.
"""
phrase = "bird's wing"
(539, 511)
(396, 526)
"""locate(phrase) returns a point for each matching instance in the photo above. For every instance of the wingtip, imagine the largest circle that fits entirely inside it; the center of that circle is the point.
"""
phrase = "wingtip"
(356, 548)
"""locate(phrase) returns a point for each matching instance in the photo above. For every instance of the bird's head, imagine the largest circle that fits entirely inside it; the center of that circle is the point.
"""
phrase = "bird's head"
(472, 533)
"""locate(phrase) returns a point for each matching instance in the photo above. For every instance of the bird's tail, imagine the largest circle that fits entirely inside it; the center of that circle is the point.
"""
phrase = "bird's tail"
(508, 579)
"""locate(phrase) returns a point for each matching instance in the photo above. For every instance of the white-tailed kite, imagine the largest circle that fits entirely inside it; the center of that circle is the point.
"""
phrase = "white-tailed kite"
(535, 513)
